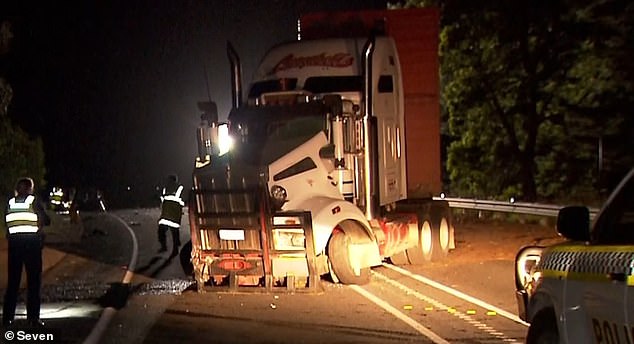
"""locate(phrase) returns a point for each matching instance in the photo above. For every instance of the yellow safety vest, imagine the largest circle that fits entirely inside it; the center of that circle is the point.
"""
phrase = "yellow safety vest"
(172, 208)
(21, 216)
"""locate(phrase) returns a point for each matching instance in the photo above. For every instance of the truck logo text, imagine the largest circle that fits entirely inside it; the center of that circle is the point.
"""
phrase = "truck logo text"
(338, 60)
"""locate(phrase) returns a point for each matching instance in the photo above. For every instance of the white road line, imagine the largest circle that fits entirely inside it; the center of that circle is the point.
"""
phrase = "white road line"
(398, 314)
(464, 317)
(109, 312)
(458, 294)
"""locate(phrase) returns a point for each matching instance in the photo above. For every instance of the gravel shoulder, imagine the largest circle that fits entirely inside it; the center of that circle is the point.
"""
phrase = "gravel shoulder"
(491, 240)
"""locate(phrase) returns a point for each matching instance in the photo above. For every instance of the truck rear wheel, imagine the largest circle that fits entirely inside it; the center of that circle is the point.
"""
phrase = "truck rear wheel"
(422, 253)
(441, 220)
(340, 262)
(434, 235)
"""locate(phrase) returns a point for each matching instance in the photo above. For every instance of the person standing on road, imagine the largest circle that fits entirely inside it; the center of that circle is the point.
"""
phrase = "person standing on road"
(25, 217)
(171, 212)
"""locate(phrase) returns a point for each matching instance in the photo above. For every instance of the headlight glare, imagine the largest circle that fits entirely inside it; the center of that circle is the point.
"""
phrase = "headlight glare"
(225, 141)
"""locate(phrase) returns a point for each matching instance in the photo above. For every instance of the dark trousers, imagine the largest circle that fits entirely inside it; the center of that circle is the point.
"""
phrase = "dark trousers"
(24, 250)
(162, 230)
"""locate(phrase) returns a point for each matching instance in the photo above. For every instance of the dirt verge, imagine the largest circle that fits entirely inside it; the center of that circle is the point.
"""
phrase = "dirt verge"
(479, 240)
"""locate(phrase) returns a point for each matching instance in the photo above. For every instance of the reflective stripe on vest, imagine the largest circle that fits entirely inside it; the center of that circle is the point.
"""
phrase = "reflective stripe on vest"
(21, 217)
(169, 223)
(56, 196)
(172, 208)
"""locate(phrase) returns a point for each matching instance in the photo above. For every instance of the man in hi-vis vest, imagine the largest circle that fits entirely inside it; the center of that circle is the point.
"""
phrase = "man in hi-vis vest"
(171, 212)
(24, 219)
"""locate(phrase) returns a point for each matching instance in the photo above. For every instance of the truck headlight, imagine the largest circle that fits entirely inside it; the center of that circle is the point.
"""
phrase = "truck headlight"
(289, 239)
(278, 196)
(225, 141)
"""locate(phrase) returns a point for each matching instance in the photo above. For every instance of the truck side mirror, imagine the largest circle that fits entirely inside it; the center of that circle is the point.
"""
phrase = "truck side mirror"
(573, 222)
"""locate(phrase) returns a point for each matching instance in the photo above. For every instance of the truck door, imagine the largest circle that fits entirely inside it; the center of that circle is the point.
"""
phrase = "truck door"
(390, 146)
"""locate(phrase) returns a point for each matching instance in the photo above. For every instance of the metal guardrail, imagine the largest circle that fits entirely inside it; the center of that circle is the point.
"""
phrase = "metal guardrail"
(509, 207)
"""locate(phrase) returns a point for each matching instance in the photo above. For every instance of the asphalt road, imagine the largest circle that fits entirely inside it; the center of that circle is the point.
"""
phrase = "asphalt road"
(87, 299)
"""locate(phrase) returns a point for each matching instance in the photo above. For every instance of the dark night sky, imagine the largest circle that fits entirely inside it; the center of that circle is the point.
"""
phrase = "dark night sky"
(111, 86)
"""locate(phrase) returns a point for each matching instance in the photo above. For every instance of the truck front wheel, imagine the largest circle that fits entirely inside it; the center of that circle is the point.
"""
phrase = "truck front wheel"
(340, 261)
(400, 258)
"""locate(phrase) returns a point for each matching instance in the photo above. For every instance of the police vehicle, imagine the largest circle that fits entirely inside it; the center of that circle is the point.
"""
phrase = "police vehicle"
(582, 290)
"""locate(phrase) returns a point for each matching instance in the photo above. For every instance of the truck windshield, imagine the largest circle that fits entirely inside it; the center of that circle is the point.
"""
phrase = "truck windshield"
(275, 85)
(264, 134)
(315, 84)
(334, 84)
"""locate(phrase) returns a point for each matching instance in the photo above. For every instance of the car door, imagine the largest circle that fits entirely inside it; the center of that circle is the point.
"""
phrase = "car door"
(629, 306)
(604, 269)
(627, 223)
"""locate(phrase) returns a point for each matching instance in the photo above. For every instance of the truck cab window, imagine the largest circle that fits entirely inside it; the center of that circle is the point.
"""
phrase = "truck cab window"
(275, 85)
(334, 84)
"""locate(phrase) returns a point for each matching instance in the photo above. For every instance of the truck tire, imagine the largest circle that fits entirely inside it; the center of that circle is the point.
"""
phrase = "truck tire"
(185, 259)
(400, 258)
(543, 329)
(340, 262)
(441, 220)
(428, 242)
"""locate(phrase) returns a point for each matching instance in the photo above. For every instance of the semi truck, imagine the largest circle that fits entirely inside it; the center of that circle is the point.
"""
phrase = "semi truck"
(334, 158)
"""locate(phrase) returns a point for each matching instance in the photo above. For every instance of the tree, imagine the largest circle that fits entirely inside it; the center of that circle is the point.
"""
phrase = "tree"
(529, 89)
(20, 154)
(24, 156)
(599, 97)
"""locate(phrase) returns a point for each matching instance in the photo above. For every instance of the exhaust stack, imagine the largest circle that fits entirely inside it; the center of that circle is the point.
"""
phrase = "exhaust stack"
(368, 138)
(236, 76)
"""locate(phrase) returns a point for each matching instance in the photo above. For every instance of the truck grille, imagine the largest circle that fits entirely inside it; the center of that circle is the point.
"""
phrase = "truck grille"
(228, 205)
(210, 240)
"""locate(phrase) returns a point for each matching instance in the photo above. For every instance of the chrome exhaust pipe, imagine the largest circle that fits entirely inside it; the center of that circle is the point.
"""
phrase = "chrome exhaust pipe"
(236, 76)
(368, 168)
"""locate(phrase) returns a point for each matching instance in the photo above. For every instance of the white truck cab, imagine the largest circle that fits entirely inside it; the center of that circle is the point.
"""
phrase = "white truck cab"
(317, 182)
(335, 66)
(582, 290)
